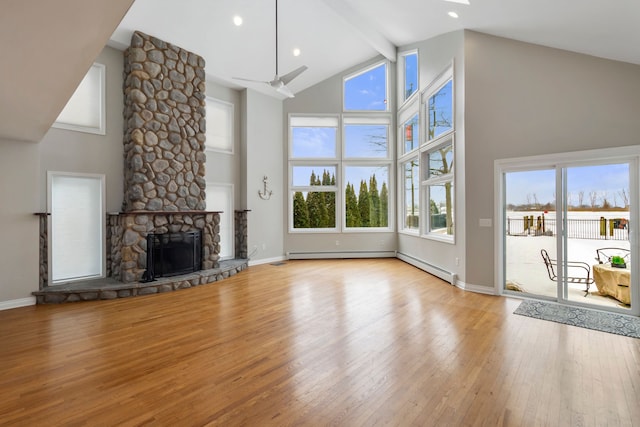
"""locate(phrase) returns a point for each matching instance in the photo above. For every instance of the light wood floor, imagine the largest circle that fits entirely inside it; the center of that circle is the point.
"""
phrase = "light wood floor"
(346, 342)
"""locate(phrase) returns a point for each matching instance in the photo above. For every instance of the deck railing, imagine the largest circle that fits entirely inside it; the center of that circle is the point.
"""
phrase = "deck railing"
(602, 229)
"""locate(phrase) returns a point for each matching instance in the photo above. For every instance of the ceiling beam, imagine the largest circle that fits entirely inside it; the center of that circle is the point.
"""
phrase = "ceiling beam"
(365, 28)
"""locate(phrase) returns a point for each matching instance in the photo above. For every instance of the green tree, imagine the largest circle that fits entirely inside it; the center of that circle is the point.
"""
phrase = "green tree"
(351, 207)
(300, 211)
(330, 198)
(384, 206)
(433, 208)
(374, 202)
(316, 206)
(364, 205)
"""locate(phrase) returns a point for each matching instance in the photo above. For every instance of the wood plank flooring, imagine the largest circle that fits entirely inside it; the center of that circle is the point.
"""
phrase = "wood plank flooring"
(312, 343)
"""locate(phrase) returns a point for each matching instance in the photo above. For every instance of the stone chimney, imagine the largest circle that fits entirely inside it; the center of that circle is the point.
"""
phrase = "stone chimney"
(164, 136)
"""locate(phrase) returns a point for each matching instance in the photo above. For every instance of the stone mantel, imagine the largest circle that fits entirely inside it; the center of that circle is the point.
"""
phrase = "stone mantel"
(165, 212)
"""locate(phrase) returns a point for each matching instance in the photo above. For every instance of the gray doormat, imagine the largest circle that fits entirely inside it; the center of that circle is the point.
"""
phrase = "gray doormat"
(620, 324)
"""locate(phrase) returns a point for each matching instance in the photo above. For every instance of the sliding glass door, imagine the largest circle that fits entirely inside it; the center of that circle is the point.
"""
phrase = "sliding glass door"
(567, 231)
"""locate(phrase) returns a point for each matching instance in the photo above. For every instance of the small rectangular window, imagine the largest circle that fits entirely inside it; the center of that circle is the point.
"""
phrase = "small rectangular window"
(366, 140)
(219, 133)
(440, 198)
(85, 110)
(440, 111)
(313, 137)
(367, 196)
(410, 205)
(410, 134)
(410, 62)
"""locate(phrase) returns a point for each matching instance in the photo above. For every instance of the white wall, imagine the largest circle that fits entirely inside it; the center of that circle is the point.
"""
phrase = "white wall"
(524, 99)
(262, 145)
(19, 174)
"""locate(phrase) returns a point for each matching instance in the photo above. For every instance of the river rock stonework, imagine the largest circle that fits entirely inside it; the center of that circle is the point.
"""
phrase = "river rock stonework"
(164, 116)
(128, 232)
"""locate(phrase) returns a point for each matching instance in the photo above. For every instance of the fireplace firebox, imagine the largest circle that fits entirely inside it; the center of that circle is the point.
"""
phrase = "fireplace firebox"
(172, 254)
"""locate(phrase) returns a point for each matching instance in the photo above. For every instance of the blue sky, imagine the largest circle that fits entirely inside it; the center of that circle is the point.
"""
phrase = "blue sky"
(606, 180)
(367, 91)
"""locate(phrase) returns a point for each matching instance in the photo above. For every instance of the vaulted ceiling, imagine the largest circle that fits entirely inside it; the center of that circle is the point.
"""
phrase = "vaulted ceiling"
(48, 46)
(333, 35)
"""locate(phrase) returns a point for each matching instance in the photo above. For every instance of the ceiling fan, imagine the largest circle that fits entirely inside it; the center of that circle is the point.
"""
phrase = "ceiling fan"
(279, 83)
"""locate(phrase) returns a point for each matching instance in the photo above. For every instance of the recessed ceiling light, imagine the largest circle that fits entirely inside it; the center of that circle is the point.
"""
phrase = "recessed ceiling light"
(459, 1)
(237, 20)
(453, 14)
(296, 52)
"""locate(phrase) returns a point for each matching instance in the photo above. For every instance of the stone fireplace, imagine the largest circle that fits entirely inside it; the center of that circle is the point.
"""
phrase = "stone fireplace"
(164, 179)
(164, 155)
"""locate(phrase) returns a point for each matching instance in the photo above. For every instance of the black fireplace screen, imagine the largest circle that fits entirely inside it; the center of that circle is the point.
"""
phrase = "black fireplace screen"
(171, 254)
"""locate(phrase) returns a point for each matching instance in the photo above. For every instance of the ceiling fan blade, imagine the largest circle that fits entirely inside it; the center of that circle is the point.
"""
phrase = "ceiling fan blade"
(249, 80)
(292, 75)
(284, 90)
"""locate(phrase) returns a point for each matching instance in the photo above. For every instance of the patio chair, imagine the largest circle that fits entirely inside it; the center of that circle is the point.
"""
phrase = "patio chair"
(603, 255)
(577, 272)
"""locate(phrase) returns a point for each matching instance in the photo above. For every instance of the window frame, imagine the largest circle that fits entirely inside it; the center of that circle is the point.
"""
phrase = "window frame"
(427, 181)
(324, 120)
(230, 109)
(100, 179)
(403, 76)
(343, 185)
(76, 101)
(446, 76)
(402, 213)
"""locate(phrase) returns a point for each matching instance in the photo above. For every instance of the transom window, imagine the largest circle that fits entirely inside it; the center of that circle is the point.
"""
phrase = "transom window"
(410, 74)
(367, 90)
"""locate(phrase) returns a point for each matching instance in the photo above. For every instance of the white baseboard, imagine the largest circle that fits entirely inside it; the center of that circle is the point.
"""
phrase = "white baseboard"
(430, 268)
(341, 255)
(16, 303)
(266, 260)
(476, 288)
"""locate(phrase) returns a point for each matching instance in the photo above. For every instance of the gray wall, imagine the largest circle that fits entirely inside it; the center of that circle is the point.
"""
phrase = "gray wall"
(69, 151)
(262, 145)
(523, 100)
(434, 56)
(19, 181)
(225, 168)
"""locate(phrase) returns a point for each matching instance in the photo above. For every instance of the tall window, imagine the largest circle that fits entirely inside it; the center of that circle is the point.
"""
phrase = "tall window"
(85, 110)
(340, 166)
(367, 90)
(409, 167)
(76, 203)
(366, 172)
(437, 158)
(313, 167)
(410, 74)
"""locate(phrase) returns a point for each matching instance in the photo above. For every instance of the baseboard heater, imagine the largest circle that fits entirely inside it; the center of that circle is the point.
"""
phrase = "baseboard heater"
(341, 255)
(429, 268)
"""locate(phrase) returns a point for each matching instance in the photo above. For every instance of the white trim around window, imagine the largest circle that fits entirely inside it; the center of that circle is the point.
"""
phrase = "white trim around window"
(86, 109)
(219, 130)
